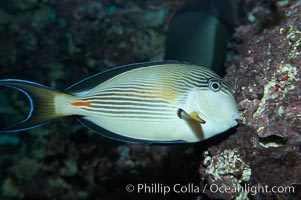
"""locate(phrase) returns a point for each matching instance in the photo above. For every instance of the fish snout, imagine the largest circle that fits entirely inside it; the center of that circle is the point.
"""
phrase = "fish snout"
(235, 118)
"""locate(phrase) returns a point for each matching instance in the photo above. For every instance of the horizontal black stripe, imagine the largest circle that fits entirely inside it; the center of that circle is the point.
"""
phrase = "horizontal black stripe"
(132, 114)
(129, 103)
(124, 99)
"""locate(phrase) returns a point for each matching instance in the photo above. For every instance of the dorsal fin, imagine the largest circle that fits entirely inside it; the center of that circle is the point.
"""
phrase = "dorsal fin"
(92, 81)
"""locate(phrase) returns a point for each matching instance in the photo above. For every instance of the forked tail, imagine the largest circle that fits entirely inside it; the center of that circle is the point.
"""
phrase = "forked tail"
(42, 104)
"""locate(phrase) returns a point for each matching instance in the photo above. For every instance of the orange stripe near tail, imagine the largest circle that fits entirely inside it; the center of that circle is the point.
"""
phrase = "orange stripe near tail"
(80, 103)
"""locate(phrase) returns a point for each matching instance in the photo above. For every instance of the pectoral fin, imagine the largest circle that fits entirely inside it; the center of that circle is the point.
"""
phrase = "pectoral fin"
(192, 116)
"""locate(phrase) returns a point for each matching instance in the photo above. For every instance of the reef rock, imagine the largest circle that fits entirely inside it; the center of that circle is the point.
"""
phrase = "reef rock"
(265, 77)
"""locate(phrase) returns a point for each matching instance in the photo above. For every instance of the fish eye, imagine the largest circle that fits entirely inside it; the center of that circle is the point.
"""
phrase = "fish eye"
(214, 85)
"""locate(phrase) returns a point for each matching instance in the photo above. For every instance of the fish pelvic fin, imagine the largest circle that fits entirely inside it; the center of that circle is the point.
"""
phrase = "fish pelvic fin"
(42, 104)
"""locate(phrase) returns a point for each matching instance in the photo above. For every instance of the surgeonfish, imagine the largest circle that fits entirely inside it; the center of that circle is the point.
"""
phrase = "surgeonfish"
(199, 33)
(156, 102)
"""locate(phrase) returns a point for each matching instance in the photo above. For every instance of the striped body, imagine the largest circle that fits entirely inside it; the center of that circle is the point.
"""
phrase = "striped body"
(143, 103)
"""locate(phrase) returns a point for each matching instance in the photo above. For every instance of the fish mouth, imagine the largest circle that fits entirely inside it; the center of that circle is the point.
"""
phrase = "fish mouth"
(236, 116)
(235, 119)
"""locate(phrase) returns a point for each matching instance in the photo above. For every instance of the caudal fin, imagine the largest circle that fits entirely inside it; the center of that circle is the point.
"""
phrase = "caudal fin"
(42, 104)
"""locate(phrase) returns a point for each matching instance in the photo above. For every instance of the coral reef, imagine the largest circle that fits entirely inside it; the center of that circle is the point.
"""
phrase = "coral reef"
(265, 76)
(226, 171)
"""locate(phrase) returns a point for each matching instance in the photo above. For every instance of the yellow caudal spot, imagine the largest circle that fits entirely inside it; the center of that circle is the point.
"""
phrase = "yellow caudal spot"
(80, 103)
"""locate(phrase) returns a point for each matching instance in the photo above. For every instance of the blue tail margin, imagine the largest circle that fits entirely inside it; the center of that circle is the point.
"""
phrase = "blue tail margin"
(41, 99)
